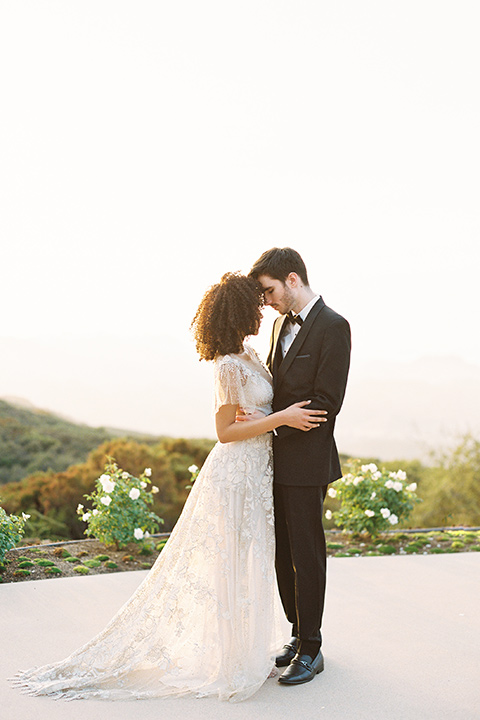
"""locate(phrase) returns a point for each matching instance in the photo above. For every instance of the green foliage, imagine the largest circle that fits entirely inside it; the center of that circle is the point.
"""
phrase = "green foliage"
(44, 563)
(146, 549)
(386, 549)
(371, 500)
(52, 498)
(413, 547)
(111, 565)
(32, 441)
(121, 507)
(92, 563)
(12, 528)
(451, 488)
(81, 570)
(54, 570)
(101, 558)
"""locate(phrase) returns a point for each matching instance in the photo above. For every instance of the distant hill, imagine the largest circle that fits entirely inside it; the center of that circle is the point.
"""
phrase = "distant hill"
(33, 440)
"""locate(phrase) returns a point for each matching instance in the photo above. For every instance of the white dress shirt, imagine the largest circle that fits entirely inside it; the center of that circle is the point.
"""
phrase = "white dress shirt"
(291, 333)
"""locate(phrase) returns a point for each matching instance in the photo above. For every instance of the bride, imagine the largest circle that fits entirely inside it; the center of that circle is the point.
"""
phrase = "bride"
(205, 620)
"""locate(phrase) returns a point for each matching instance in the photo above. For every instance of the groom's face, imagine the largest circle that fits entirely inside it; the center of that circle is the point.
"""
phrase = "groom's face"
(277, 294)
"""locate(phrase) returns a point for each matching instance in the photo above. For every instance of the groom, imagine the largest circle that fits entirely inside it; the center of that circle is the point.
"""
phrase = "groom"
(309, 360)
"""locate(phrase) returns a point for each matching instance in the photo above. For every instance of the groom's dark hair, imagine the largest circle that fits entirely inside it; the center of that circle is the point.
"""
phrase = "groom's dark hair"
(278, 263)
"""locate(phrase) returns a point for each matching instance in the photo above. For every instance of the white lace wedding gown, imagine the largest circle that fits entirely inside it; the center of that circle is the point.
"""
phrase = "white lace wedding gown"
(206, 619)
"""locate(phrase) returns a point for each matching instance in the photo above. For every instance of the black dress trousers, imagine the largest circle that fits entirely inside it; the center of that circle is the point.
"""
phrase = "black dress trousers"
(301, 556)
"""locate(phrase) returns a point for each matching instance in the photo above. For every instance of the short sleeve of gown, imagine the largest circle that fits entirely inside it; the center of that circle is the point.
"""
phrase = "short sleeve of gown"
(230, 381)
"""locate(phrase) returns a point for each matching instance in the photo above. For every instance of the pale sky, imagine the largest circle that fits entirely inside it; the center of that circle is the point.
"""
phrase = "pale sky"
(146, 148)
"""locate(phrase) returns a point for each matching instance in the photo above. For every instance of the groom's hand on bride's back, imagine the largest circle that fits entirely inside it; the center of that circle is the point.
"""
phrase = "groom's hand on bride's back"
(303, 418)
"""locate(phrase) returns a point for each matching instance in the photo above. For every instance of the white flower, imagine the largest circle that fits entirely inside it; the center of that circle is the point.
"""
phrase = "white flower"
(155, 489)
(106, 500)
(125, 475)
(328, 514)
(385, 512)
(412, 487)
(369, 513)
(104, 477)
(147, 472)
(393, 519)
(347, 478)
(401, 475)
(376, 475)
(107, 484)
(25, 517)
(143, 485)
(389, 484)
(138, 533)
(371, 467)
(397, 486)
(332, 492)
(86, 516)
(94, 512)
(134, 494)
(357, 480)
(146, 534)
(373, 495)
(79, 508)
(192, 469)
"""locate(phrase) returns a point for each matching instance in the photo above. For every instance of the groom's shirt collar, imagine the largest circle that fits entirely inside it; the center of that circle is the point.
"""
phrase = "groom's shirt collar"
(292, 330)
(304, 312)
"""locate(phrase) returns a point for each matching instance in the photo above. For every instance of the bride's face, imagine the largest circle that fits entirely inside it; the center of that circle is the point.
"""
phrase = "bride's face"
(277, 294)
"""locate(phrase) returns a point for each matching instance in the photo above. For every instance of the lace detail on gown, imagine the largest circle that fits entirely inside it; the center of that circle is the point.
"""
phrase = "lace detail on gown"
(206, 619)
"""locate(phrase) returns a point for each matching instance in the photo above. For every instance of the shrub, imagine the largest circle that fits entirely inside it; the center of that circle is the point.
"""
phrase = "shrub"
(372, 500)
(81, 570)
(92, 563)
(386, 549)
(12, 528)
(120, 507)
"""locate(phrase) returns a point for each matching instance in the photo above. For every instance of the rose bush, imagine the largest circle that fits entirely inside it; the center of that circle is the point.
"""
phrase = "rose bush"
(120, 511)
(12, 529)
(371, 500)
(193, 470)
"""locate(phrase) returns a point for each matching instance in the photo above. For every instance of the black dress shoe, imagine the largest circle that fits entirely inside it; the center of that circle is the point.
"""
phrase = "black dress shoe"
(302, 669)
(286, 655)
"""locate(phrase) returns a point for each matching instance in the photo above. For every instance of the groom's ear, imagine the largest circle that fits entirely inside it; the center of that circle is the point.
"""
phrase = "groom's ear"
(292, 280)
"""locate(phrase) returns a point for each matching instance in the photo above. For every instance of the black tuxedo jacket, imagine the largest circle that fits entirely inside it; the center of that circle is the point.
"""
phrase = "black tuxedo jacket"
(315, 368)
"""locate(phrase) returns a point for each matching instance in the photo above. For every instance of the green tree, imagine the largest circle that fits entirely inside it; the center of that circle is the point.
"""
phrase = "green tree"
(450, 490)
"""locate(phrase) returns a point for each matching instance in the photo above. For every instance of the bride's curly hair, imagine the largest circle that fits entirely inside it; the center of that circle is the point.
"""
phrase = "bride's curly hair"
(228, 313)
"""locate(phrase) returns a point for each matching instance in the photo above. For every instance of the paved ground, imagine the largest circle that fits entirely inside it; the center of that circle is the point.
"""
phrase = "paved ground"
(401, 641)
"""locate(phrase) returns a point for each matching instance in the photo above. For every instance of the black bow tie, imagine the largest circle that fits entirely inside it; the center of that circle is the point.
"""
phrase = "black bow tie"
(294, 318)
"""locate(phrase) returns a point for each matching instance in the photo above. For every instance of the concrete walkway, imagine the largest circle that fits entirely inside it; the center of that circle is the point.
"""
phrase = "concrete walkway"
(401, 642)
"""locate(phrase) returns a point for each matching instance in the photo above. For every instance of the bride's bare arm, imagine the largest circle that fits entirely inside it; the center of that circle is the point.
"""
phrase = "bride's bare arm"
(296, 416)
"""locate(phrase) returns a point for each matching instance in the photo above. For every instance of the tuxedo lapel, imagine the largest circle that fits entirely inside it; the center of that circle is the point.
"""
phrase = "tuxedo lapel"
(299, 340)
(276, 334)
